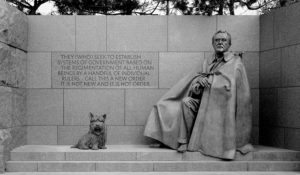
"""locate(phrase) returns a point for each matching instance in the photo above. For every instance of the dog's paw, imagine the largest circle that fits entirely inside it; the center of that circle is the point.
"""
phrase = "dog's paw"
(103, 147)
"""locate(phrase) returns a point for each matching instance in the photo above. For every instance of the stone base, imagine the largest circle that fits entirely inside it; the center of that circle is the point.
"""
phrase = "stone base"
(141, 158)
(157, 173)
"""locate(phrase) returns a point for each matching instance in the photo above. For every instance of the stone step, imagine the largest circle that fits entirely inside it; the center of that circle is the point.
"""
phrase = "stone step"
(150, 166)
(138, 153)
(156, 173)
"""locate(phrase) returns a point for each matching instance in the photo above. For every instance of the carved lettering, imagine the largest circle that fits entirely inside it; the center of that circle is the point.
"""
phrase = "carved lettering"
(103, 70)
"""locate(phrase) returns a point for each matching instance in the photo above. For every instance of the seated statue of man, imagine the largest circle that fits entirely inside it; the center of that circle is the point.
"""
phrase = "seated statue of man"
(209, 110)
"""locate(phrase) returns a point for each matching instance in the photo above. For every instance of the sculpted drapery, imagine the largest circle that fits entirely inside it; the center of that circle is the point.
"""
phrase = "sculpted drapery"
(222, 124)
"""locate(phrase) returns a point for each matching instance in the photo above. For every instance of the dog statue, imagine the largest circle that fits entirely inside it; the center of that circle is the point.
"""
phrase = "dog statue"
(96, 137)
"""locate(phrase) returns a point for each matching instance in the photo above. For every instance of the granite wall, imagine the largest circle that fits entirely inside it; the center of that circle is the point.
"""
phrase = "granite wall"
(280, 78)
(13, 46)
(60, 115)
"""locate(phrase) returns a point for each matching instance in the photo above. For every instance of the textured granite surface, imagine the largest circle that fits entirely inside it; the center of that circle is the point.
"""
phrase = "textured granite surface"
(5, 107)
(12, 107)
(13, 26)
(5, 59)
(19, 107)
(13, 46)
(15, 138)
(4, 21)
(12, 66)
(12, 121)
(1, 159)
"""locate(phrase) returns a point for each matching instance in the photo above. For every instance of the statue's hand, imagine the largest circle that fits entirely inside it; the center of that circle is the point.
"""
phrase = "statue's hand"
(196, 88)
(203, 81)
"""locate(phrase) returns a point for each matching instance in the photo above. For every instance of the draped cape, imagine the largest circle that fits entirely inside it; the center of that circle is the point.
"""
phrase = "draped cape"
(223, 123)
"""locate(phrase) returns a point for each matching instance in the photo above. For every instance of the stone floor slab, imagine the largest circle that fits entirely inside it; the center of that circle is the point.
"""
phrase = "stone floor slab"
(149, 166)
(139, 152)
(153, 173)
(100, 156)
(35, 156)
(274, 166)
(275, 154)
(200, 166)
(66, 166)
(161, 156)
(21, 166)
(131, 166)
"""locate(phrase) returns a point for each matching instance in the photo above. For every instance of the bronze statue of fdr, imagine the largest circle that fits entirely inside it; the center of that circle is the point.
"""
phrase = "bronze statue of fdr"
(209, 110)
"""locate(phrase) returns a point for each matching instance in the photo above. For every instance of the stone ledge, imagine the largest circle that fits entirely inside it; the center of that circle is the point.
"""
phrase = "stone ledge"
(138, 153)
(154, 173)
(149, 166)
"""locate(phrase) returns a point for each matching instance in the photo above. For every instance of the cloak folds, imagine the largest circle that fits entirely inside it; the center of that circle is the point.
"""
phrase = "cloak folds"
(223, 123)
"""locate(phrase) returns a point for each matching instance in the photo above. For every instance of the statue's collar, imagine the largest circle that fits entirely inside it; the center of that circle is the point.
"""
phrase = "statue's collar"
(227, 56)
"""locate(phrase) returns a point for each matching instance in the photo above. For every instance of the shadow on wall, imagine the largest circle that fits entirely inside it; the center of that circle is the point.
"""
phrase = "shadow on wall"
(280, 78)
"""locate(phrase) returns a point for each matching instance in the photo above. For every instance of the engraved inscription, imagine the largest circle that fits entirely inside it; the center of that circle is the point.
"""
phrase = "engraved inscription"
(103, 70)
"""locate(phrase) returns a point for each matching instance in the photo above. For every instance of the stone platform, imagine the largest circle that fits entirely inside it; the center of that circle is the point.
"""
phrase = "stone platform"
(156, 173)
(141, 158)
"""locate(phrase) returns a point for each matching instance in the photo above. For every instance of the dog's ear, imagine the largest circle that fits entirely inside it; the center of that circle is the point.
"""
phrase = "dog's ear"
(91, 116)
(104, 116)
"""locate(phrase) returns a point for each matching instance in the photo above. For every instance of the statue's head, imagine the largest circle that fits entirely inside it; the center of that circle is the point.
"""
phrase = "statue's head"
(221, 41)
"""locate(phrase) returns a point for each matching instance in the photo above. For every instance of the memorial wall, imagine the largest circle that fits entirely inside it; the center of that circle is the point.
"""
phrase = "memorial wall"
(280, 78)
(120, 66)
(13, 46)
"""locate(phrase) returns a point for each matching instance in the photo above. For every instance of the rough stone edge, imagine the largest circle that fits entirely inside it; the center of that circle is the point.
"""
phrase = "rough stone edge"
(2, 168)
(15, 39)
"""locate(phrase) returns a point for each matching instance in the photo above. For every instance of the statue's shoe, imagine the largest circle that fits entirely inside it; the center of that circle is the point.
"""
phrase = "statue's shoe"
(246, 149)
(182, 148)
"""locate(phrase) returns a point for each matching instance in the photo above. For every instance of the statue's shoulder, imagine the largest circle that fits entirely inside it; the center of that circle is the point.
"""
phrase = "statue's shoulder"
(235, 59)
(233, 56)
(237, 56)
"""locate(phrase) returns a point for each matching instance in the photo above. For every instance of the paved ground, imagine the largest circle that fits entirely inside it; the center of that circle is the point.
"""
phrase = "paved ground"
(155, 173)
(142, 160)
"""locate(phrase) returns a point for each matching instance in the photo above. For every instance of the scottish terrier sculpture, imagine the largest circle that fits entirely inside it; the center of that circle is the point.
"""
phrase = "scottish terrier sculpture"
(96, 137)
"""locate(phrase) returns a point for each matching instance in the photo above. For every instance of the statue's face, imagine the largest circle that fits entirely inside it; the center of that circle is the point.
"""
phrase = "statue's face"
(221, 43)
